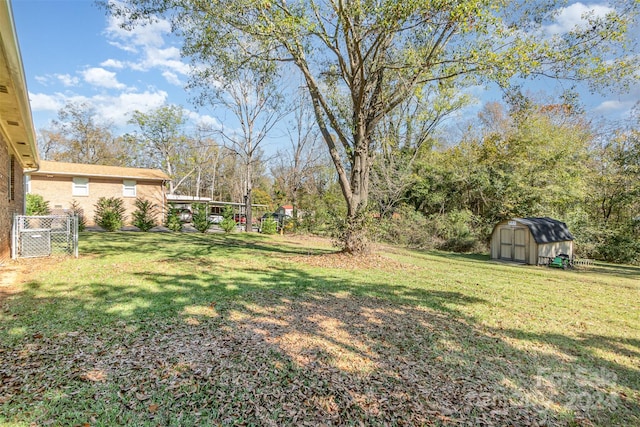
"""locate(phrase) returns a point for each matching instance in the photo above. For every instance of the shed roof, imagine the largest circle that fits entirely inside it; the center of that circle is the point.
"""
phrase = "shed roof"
(547, 230)
(82, 169)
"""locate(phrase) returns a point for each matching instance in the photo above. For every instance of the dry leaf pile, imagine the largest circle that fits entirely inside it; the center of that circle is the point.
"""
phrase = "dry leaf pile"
(314, 361)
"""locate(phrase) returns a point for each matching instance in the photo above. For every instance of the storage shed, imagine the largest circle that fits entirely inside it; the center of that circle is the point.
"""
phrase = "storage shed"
(530, 240)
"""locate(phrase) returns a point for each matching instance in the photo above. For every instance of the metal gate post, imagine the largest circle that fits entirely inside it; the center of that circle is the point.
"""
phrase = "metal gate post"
(14, 237)
(74, 225)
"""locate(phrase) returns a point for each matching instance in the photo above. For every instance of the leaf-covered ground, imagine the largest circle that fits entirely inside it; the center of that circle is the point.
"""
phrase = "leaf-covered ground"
(286, 332)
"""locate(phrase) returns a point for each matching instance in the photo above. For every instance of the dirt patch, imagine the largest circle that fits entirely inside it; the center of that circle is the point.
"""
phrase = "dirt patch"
(16, 272)
(10, 276)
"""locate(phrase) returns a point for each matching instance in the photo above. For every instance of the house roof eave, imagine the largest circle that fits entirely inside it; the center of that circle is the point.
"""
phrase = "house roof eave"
(16, 125)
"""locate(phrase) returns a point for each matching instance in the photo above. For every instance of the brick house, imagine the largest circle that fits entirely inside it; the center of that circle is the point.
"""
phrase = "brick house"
(63, 183)
(18, 149)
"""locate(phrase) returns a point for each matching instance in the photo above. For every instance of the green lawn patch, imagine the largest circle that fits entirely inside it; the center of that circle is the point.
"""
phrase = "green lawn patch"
(207, 329)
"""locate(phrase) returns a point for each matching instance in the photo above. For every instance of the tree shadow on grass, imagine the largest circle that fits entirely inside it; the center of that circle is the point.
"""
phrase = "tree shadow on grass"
(177, 245)
(614, 270)
(284, 347)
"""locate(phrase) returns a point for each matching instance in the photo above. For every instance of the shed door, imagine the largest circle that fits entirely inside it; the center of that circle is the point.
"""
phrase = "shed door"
(520, 244)
(506, 243)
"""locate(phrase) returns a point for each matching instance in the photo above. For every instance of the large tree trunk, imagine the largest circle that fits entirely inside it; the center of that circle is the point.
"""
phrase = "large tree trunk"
(248, 227)
(353, 236)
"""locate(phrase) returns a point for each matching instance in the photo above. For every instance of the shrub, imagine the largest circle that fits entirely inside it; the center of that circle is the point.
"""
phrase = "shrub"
(200, 219)
(406, 227)
(172, 222)
(269, 226)
(619, 246)
(37, 205)
(458, 231)
(228, 224)
(352, 235)
(144, 216)
(109, 213)
(77, 211)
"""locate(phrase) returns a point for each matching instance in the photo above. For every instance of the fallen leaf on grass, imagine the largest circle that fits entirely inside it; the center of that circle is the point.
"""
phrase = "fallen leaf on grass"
(153, 408)
(95, 375)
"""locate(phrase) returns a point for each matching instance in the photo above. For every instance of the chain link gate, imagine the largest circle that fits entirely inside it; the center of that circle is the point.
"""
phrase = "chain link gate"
(42, 236)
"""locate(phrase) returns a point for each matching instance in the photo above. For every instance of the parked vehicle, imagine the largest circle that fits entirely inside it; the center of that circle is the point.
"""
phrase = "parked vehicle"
(242, 219)
(215, 218)
(185, 215)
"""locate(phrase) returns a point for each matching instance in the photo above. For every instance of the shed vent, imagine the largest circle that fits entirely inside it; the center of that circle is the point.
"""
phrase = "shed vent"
(4, 89)
(12, 123)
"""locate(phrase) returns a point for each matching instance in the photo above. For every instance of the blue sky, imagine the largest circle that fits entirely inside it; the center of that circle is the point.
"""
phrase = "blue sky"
(72, 51)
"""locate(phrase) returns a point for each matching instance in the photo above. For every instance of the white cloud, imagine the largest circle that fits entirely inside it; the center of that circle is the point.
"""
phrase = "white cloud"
(139, 36)
(172, 78)
(55, 79)
(115, 109)
(610, 106)
(204, 119)
(148, 42)
(112, 63)
(43, 80)
(103, 78)
(570, 17)
(67, 79)
(45, 102)
(118, 109)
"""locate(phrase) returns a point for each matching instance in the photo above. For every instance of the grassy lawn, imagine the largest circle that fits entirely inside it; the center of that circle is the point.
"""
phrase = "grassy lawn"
(190, 329)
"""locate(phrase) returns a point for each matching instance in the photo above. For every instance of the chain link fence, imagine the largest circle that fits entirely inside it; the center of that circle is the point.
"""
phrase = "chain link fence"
(43, 236)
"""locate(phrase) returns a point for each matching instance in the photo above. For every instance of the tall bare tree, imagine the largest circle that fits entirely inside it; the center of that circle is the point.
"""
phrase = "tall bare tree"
(162, 138)
(77, 136)
(294, 167)
(255, 102)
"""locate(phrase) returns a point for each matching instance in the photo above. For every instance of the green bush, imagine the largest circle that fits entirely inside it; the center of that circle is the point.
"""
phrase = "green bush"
(37, 205)
(172, 221)
(109, 213)
(79, 212)
(144, 216)
(227, 224)
(619, 246)
(407, 227)
(269, 226)
(458, 231)
(200, 219)
(353, 235)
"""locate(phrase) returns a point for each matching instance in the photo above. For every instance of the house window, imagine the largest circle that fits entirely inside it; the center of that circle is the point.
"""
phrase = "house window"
(80, 187)
(12, 178)
(128, 188)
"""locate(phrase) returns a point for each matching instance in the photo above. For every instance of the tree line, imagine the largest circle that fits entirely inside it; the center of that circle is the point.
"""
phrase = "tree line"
(380, 78)
(519, 158)
(365, 64)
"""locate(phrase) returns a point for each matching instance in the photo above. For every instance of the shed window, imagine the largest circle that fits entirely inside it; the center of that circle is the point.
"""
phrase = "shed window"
(80, 187)
(128, 188)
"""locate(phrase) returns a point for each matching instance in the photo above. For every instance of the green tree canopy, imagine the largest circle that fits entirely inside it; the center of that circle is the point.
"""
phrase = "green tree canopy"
(360, 59)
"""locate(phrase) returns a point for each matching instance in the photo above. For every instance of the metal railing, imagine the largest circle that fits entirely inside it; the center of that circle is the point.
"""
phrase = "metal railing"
(42, 236)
